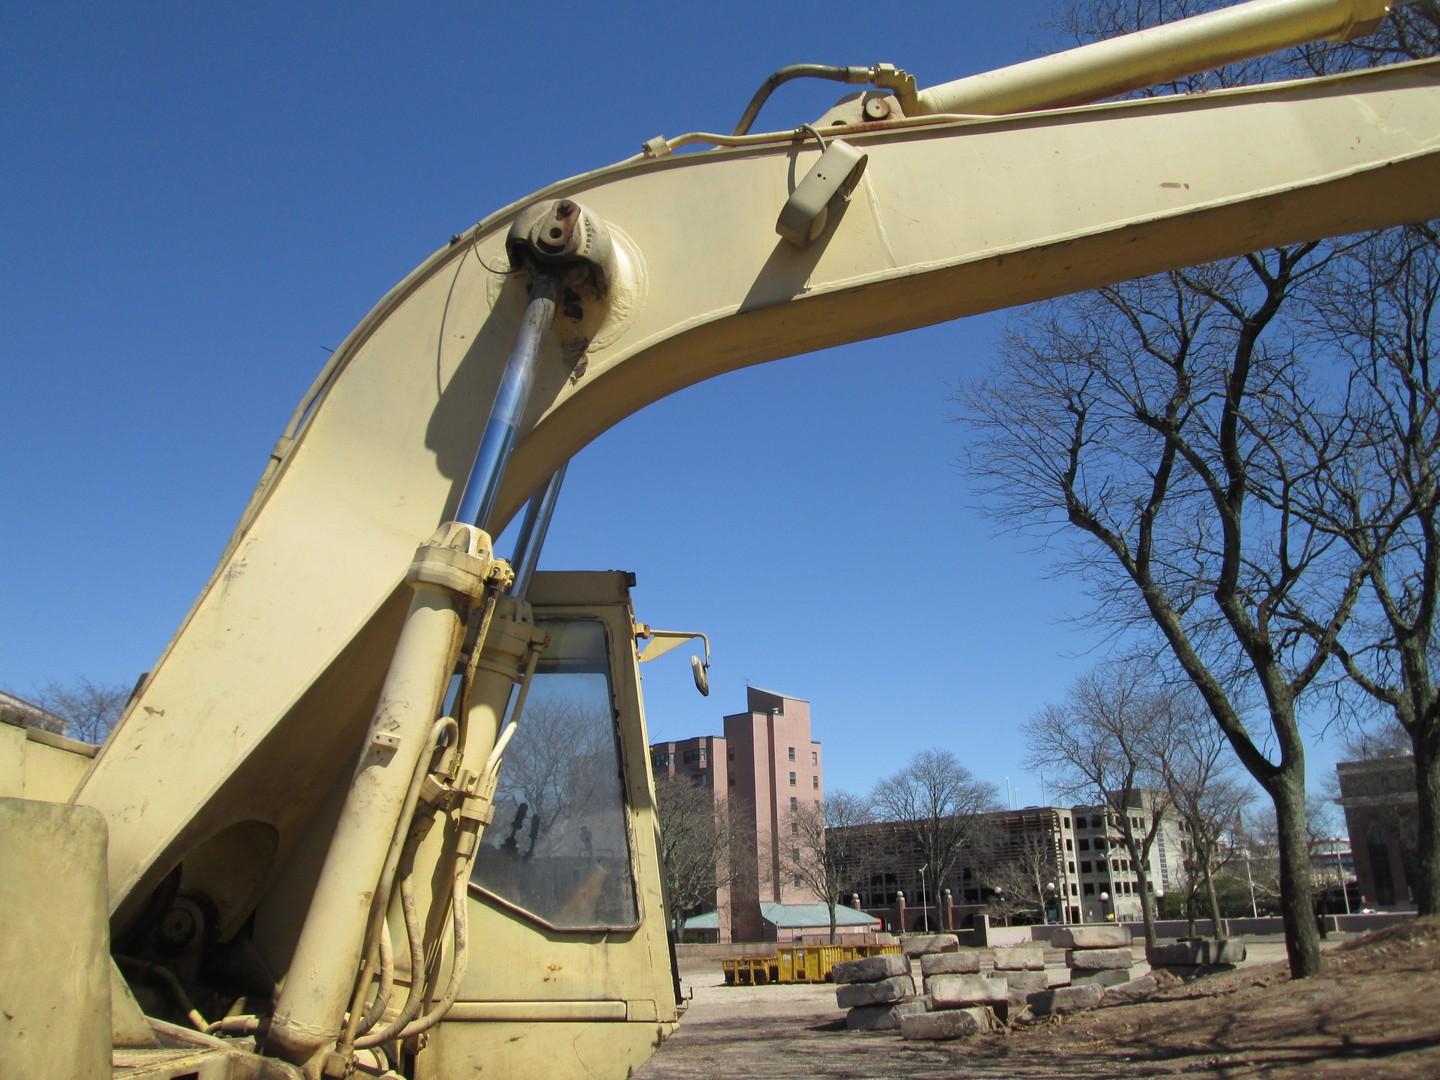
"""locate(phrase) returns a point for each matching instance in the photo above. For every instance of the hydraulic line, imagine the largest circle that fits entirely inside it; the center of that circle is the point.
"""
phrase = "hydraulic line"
(387, 982)
(415, 998)
(798, 71)
(381, 901)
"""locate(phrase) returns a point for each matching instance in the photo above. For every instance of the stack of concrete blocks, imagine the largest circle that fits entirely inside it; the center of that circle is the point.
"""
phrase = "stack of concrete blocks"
(1024, 970)
(1191, 959)
(879, 991)
(1098, 957)
(961, 1001)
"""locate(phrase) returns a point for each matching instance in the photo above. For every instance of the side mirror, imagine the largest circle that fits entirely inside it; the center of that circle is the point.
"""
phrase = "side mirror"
(662, 641)
(701, 670)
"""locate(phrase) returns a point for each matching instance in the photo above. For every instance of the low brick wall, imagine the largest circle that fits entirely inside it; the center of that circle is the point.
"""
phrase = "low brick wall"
(1247, 927)
(720, 952)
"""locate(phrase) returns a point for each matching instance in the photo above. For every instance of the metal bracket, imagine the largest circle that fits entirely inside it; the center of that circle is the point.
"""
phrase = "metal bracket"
(830, 180)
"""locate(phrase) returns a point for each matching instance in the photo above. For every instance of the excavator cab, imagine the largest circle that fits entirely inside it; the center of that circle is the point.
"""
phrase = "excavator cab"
(565, 897)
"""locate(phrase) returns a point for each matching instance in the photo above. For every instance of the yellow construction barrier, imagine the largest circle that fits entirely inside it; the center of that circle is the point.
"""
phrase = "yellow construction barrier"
(796, 963)
(750, 970)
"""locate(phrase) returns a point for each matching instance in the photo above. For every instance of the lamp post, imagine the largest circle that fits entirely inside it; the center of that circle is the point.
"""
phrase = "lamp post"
(999, 903)
(1052, 903)
(1104, 907)
(924, 899)
(1340, 873)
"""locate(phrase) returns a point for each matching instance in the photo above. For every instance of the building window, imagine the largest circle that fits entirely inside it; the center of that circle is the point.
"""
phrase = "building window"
(815, 782)
(1073, 892)
(792, 779)
(792, 753)
(794, 804)
(1084, 868)
(1072, 867)
(1089, 888)
(814, 757)
(732, 781)
(1084, 844)
(1065, 823)
(1068, 846)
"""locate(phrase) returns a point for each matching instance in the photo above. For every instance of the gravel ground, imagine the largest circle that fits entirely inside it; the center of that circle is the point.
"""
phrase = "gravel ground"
(797, 1032)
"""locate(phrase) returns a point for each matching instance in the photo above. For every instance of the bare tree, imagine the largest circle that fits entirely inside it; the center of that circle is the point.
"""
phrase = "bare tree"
(1380, 307)
(1206, 794)
(1103, 746)
(696, 836)
(1388, 738)
(1024, 874)
(828, 850)
(89, 710)
(936, 802)
(1175, 424)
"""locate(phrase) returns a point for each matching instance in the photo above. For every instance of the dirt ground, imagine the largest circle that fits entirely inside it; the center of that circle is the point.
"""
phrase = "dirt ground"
(1373, 1013)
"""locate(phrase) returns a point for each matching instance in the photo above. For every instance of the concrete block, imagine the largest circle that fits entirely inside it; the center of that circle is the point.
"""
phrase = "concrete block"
(961, 962)
(872, 968)
(1020, 958)
(1057, 977)
(925, 944)
(1101, 977)
(953, 1024)
(1128, 992)
(1024, 983)
(1098, 959)
(960, 991)
(853, 995)
(1197, 953)
(1091, 937)
(884, 1017)
(1066, 999)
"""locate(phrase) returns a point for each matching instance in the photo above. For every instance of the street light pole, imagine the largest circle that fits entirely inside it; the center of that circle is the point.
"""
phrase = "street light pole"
(1254, 911)
(924, 899)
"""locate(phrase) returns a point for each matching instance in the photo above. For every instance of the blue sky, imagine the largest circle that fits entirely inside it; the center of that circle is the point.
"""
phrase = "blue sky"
(200, 199)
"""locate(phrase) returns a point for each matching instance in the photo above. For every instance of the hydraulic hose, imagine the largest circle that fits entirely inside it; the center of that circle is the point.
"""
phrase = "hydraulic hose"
(798, 71)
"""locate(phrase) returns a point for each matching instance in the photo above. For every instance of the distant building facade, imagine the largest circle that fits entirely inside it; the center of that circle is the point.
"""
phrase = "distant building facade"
(1382, 812)
(1078, 850)
(765, 767)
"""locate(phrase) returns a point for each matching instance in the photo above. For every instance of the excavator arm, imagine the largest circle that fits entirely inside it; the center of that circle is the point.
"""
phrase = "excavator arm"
(949, 219)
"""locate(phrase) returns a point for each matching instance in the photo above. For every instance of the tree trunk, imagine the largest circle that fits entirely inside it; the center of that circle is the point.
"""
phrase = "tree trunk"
(832, 922)
(1302, 936)
(1426, 885)
(1214, 902)
(1147, 906)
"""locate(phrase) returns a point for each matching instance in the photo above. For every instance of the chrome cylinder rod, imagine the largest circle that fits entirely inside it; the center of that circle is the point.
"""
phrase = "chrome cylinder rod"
(482, 487)
(533, 530)
(1120, 64)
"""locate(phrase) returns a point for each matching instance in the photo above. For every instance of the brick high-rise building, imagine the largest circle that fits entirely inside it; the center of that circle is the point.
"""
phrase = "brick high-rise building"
(765, 767)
